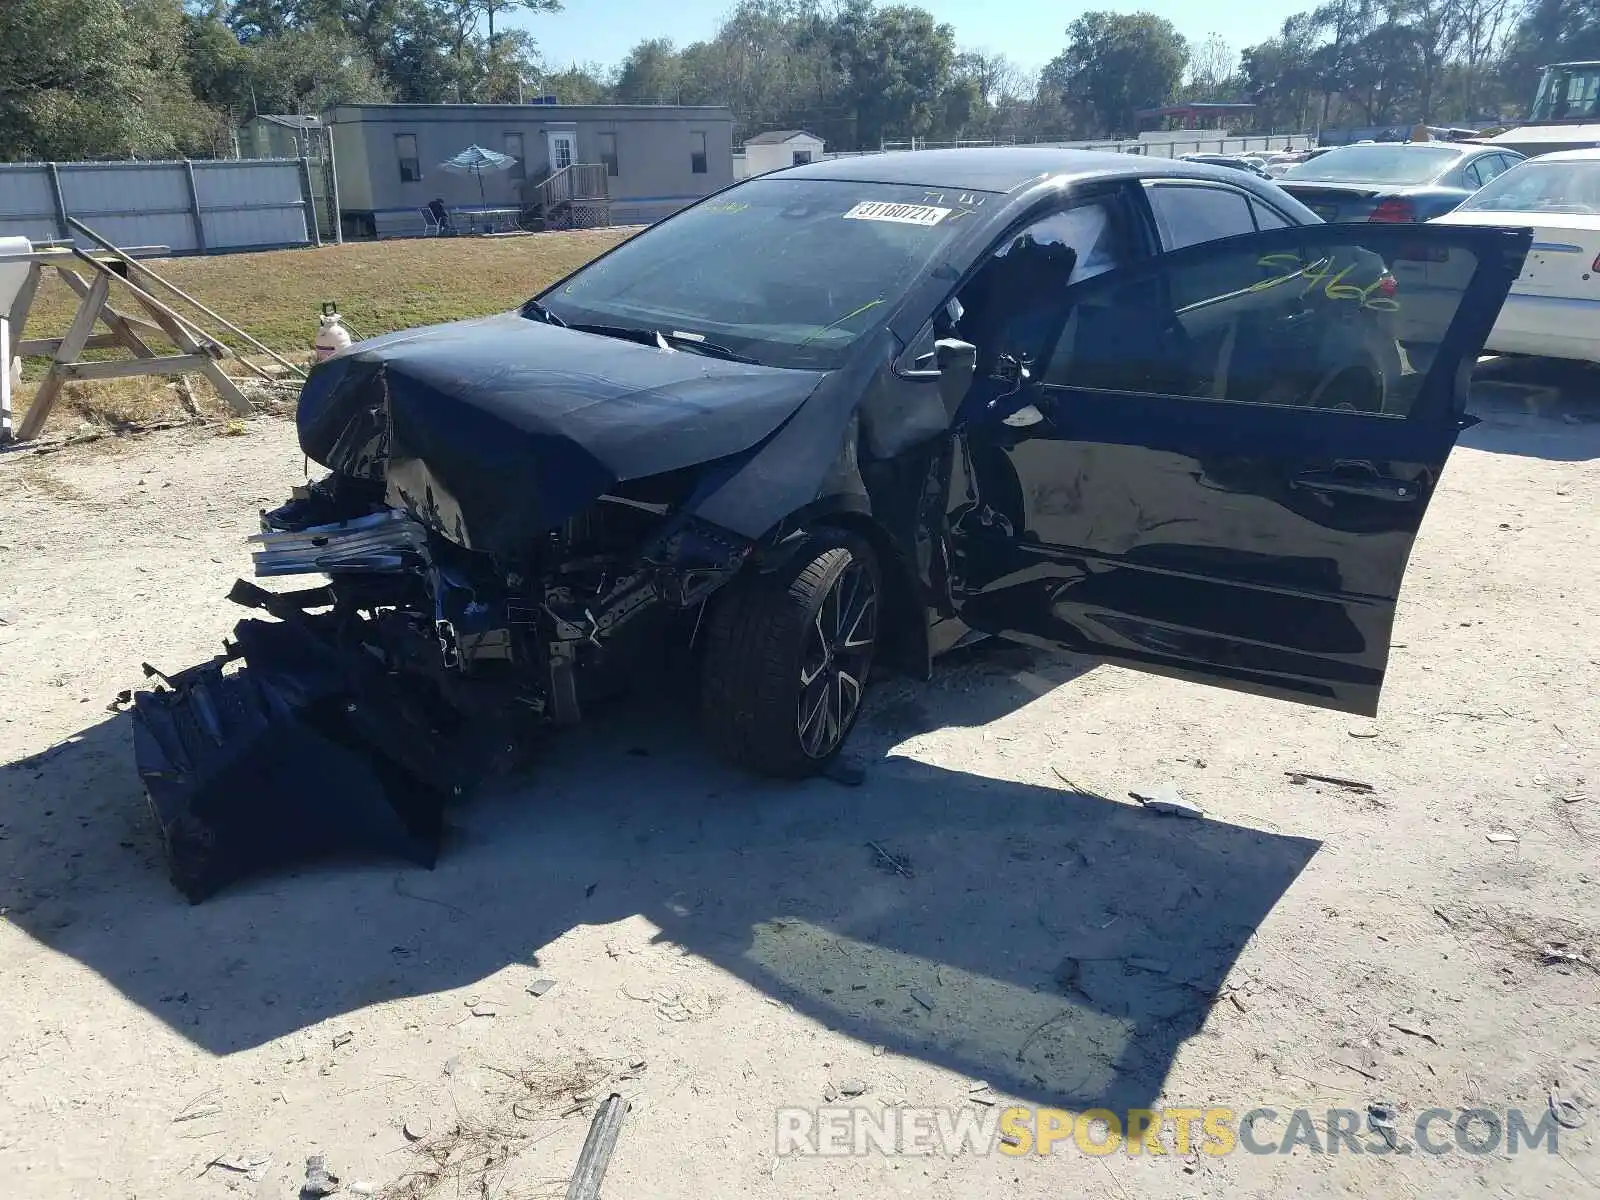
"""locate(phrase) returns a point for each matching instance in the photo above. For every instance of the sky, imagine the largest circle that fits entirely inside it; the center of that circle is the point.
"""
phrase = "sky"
(1025, 31)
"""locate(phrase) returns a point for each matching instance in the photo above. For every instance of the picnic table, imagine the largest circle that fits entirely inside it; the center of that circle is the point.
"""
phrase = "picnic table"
(479, 219)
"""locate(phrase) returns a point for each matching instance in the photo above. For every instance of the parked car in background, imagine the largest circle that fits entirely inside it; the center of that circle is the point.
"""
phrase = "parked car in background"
(1554, 307)
(1394, 182)
(1277, 164)
(1230, 161)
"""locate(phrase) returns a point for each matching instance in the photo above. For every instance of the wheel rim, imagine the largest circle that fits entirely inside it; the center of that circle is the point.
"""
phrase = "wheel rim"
(833, 665)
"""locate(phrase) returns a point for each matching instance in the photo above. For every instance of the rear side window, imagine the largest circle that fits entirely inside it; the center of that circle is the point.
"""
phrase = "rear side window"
(1187, 215)
(1268, 217)
(1493, 165)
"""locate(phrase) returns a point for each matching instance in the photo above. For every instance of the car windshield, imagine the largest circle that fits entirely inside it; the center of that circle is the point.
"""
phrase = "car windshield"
(1403, 164)
(1569, 187)
(788, 272)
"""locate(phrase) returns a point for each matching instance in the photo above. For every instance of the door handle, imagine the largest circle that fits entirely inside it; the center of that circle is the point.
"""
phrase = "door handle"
(1374, 486)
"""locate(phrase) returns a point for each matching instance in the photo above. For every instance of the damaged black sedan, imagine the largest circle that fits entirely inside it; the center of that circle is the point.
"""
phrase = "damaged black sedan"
(827, 423)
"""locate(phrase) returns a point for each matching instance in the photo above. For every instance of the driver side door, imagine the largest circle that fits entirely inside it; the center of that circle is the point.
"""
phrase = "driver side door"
(1220, 469)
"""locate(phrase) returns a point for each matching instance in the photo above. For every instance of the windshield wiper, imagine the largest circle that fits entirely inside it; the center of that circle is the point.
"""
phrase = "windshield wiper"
(666, 339)
(534, 309)
(699, 345)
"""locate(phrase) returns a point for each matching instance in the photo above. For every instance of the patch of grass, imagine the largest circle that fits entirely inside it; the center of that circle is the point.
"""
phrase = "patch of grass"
(276, 297)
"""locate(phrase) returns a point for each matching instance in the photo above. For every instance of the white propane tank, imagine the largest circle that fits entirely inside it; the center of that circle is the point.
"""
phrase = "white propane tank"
(332, 336)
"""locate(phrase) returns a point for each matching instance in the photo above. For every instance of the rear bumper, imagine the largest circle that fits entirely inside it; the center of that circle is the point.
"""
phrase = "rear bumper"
(1548, 327)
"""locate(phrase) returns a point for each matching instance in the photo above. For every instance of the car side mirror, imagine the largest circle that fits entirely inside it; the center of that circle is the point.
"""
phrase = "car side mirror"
(958, 365)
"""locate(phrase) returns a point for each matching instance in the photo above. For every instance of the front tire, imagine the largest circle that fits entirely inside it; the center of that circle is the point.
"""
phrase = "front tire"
(787, 658)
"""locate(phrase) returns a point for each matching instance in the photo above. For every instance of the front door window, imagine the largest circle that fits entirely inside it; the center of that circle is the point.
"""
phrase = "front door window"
(1013, 308)
(563, 147)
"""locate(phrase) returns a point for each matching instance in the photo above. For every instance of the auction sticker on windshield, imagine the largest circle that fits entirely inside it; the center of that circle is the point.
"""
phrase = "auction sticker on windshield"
(904, 214)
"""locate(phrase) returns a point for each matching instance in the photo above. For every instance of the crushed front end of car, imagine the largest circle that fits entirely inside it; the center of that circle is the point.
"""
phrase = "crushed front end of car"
(493, 550)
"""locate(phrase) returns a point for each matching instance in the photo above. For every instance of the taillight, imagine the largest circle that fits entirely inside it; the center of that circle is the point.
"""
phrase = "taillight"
(1388, 285)
(1595, 265)
(1396, 210)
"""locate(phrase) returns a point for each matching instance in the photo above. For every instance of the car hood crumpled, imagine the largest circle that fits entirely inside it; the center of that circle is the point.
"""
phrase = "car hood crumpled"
(495, 430)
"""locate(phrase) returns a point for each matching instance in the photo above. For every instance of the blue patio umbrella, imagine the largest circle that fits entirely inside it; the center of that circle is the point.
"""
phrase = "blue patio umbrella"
(475, 160)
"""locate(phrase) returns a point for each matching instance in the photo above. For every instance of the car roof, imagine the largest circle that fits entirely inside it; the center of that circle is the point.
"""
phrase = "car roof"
(1587, 154)
(1411, 147)
(995, 168)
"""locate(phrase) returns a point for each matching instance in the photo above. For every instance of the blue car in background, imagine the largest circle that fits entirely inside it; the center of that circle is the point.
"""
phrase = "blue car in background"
(1394, 182)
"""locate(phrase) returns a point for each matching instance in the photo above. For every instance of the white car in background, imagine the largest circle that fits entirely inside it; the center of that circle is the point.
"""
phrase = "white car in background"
(1553, 310)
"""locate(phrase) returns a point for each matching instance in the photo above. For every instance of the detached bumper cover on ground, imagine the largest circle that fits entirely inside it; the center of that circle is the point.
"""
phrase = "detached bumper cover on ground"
(286, 748)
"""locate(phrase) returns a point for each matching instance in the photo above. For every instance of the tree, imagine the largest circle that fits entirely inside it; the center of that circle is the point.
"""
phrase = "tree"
(1436, 27)
(1213, 71)
(218, 64)
(1485, 25)
(1384, 72)
(1281, 77)
(1552, 31)
(578, 84)
(651, 73)
(415, 57)
(255, 20)
(1114, 65)
(309, 70)
(896, 64)
(999, 80)
(769, 63)
(97, 79)
(491, 8)
(511, 61)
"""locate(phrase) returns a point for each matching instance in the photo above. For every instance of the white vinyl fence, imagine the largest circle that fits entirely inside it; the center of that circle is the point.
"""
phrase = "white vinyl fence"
(1157, 145)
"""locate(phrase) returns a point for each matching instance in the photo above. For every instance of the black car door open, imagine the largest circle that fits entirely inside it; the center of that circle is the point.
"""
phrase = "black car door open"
(1220, 470)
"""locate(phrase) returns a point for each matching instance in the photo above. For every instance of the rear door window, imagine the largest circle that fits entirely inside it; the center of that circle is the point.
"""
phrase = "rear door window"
(1188, 214)
(1268, 217)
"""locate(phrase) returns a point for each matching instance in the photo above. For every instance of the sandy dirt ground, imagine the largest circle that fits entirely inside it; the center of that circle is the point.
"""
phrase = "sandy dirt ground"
(722, 948)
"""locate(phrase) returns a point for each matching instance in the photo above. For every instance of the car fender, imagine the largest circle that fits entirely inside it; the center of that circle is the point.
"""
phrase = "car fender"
(906, 642)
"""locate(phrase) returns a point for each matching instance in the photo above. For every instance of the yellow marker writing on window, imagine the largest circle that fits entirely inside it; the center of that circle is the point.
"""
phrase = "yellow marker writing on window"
(1374, 297)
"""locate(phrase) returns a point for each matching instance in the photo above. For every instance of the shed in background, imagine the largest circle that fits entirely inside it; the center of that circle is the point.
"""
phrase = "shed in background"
(777, 149)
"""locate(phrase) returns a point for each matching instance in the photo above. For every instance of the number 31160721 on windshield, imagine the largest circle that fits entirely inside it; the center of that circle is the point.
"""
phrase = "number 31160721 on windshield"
(1377, 296)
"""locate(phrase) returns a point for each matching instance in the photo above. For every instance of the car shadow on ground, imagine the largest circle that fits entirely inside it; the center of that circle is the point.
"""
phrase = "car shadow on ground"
(1061, 946)
(1537, 408)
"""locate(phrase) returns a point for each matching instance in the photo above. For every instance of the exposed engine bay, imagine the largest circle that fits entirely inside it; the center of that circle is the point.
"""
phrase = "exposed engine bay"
(474, 623)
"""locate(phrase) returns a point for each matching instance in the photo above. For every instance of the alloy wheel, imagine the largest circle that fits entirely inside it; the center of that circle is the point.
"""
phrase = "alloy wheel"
(835, 660)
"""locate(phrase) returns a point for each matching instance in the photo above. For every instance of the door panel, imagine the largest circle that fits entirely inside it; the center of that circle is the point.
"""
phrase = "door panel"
(1237, 446)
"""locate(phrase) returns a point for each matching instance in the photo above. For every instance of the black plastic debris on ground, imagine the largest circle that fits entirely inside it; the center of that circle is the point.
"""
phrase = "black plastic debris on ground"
(284, 750)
